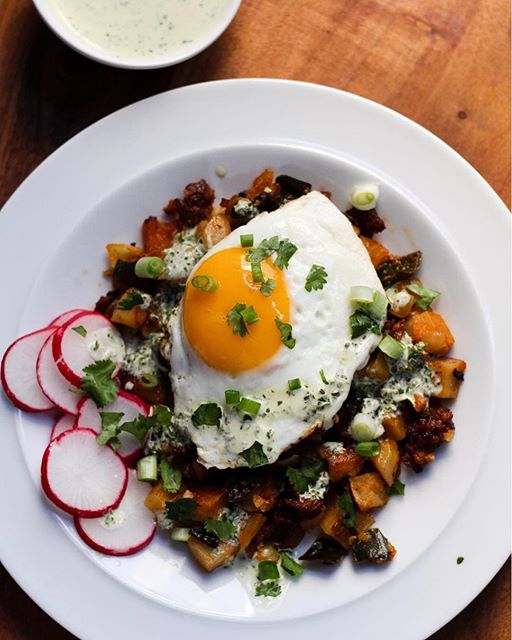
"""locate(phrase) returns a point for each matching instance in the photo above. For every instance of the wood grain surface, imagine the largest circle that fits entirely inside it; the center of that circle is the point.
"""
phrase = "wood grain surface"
(443, 63)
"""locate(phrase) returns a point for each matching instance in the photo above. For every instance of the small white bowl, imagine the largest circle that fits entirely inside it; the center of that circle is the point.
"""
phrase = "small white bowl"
(63, 30)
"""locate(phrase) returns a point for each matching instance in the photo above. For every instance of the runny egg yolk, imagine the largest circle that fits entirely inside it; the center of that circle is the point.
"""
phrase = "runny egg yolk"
(205, 314)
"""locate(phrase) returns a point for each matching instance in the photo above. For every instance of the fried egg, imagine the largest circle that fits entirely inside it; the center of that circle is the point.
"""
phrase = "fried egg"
(300, 335)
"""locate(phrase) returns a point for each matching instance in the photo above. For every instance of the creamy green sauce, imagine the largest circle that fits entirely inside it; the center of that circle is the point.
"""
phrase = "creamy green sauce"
(141, 28)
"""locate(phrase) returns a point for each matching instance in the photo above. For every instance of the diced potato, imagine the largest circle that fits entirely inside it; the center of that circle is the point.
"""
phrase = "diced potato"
(401, 301)
(250, 529)
(429, 327)
(331, 522)
(377, 368)
(134, 317)
(377, 252)
(124, 252)
(266, 552)
(264, 497)
(364, 521)
(208, 558)
(394, 426)
(157, 497)
(210, 501)
(342, 463)
(369, 491)
(157, 235)
(451, 373)
(388, 460)
(215, 229)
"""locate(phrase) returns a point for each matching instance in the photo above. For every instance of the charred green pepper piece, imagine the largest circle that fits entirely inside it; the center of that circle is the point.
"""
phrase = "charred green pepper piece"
(325, 550)
(372, 546)
(124, 277)
(399, 268)
(293, 186)
(208, 537)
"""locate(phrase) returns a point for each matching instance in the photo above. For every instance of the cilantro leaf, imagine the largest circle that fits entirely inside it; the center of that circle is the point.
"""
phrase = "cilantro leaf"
(361, 323)
(98, 383)
(236, 320)
(346, 505)
(131, 298)
(308, 473)
(397, 488)
(270, 588)
(254, 455)
(82, 331)
(284, 253)
(285, 330)
(161, 416)
(109, 428)
(208, 413)
(171, 476)
(316, 278)
(264, 250)
(223, 528)
(268, 287)
(182, 509)
(426, 296)
(460, 560)
(139, 427)
(290, 565)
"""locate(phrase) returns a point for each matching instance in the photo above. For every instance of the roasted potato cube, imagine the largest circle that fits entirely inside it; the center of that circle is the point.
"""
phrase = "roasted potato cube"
(377, 368)
(341, 463)
(369, 491)
(157, 497)
(331, 522)
(215, 229)
(210, 559)
(429, 327)
(394, 426)
(451, 374)
(250, 529)
(121, 251)
(388, 460)
(157, 235)
(134, 317)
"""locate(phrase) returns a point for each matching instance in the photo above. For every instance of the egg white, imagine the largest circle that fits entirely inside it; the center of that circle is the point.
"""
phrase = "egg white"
(320, 321)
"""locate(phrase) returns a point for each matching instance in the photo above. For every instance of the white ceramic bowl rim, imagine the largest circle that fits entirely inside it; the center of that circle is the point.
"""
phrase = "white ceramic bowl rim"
(81, 45)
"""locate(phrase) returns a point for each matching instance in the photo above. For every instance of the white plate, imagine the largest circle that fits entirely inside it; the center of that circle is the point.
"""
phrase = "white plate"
(98, 188)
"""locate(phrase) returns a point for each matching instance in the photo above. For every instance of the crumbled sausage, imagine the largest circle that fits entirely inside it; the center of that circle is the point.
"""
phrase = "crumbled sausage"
(196, 204)
(424, 435)
(368, 222)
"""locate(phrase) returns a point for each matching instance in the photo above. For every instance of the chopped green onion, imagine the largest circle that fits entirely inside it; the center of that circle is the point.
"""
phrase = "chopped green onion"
(247, 240)
(148, 380)
(322, 376)
(171, 476)
(149, 267)
(361, 295)
(205, 283)
(180, 534)
(378, 307)
(257, 272)
(249, 315)
(294, 384)
(147, 469)
(397, 488)
(426, 296)
(364, 428)
(364, 196)
(82, 331)
(246, 405)
(368, 449)
(391, 347)
(232, 396)
(460, 560)
(290, 565)
(267, 570)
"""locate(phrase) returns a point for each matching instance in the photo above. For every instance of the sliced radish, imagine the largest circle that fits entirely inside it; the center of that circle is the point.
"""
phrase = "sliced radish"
(64, 317)
(125, 530)
(83, 340)
(82, 477)
(18, 372)
(53, 384)
(65, 422)
(127, 404)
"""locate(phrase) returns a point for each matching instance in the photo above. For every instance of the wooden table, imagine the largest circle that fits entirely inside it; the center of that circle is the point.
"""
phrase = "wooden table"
(442, 63)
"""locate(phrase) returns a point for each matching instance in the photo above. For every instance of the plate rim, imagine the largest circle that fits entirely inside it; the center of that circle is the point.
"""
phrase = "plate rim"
(260, 82)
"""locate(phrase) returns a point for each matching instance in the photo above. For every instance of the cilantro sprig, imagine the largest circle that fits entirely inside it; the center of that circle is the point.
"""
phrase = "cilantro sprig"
(305, 476)
(360, 323)
(254, 455)
(426, 296)
(268, 286)
(222, 527)
(347, 507)
(111, 425)
(97, 382)
(131, 298)
(284, 250)
(316, 278)
(171, 476)
(182, 509)
(207, 414)
(285, 330)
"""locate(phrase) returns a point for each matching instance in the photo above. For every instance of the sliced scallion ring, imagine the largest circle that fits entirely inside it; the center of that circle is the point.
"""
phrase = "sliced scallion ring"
(364, 196)
(294, 384)
(247, 240)
(391, 347)
(249, 315)
(147, 469)
(257, 273)
(232, 396)
(149, 267)
(205, 283)
(361, 295)
(249, 406)
(148, 380)
(180, 534)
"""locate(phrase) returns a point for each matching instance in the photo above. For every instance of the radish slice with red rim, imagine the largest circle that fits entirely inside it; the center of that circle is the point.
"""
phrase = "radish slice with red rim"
(64, 317)
(64, 423)
(83, 340)
(82, 477)
(126, 403)
(53, 384)
(18, 372)
(125, 530)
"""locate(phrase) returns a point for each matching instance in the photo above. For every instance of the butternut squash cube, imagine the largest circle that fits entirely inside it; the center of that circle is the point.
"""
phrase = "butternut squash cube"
(451, 374)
